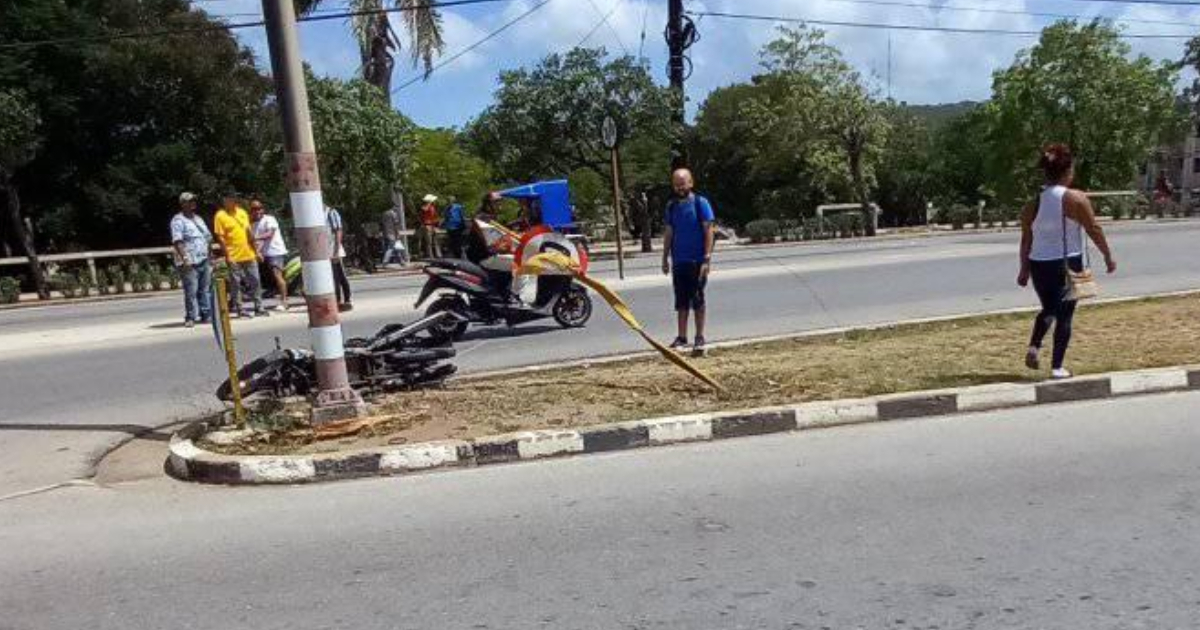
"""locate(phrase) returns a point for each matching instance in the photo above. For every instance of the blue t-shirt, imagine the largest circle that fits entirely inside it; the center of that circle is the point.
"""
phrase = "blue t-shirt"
(454, 220)
(685, 217)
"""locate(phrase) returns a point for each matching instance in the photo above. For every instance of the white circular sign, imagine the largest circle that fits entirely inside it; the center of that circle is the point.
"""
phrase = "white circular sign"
(608, 132)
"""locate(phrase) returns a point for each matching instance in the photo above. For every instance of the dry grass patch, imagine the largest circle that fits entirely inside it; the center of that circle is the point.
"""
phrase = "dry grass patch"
(975, 351)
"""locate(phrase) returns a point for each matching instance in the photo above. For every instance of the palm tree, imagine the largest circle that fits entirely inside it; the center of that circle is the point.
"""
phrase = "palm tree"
(378, 42)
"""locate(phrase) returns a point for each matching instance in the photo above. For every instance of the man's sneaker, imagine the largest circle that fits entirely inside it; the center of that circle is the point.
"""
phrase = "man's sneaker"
(188, 324)
(1059, 374)
(698, 348)
(1031, 358)
(280, 308)
(345, 307)
(679, 343)
(248, 315)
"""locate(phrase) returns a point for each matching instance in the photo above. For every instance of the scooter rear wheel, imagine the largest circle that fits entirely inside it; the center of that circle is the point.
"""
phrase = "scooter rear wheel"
(450, 330)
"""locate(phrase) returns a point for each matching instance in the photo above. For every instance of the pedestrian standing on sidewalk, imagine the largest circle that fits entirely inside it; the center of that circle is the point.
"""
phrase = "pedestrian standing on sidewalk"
(389, 227)
(687, 255)
(192, 240)
(268, 241)
(429, 225)
(455, 225)
(341, 283)
(232, 227)
(1051, 243)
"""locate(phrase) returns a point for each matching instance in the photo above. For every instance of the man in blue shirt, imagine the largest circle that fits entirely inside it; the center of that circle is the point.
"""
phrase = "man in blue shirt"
(455, 225)
(687, 254)
(192, 241)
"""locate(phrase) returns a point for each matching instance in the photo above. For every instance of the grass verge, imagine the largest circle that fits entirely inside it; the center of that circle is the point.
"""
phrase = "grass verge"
(972, 351)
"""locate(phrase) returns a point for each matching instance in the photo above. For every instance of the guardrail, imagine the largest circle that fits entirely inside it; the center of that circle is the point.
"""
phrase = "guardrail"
(90, 257)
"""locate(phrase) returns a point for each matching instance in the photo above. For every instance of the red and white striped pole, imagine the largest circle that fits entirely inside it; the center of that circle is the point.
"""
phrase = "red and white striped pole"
(335, 399)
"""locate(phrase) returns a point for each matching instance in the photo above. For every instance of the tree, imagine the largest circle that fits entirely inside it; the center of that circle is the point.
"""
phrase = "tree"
(127, 124)
(18, 141)
(377, 41)
(442, 167)
(905, 175)
(365, 145)
(1080, 86)
(546, 123)
(817, 118)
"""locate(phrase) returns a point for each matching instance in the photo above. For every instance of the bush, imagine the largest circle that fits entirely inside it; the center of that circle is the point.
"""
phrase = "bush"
(86, 286)
(762, 230)
(10, 290)
(957, 215)
(140, 280)
(66, 284)
(103, 283)
(116, 275)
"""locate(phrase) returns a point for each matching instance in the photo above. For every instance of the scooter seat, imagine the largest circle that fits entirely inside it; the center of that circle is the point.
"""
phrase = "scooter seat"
(457, 264)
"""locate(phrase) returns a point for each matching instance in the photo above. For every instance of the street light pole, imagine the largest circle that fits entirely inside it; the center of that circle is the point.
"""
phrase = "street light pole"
(335, 399)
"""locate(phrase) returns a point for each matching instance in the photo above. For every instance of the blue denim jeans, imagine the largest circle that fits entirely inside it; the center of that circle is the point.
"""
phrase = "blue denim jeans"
(197, 291)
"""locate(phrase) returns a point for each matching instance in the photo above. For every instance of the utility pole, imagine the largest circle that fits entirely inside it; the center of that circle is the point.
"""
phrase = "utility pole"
(675, 67)
(335, 399)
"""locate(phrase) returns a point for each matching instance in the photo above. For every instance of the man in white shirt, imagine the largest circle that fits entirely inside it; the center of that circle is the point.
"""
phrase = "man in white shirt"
(268, 241)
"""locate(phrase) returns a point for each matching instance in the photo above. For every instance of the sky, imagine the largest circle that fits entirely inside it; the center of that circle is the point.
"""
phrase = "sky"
(925, 67)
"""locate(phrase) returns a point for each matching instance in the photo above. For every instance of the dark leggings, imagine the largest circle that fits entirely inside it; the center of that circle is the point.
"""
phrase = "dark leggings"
(1050, 282)
(341, 284)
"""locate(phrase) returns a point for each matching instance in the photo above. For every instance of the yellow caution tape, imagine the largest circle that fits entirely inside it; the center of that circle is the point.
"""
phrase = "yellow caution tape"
(556, 262)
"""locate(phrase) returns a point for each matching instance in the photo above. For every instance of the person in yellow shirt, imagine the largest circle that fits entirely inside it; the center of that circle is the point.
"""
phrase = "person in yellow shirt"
(231, 226)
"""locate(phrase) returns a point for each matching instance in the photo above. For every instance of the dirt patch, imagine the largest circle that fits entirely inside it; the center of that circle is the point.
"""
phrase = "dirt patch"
(974, 351)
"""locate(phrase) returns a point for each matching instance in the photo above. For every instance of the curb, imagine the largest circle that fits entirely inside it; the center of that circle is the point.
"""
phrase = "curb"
(189, 462)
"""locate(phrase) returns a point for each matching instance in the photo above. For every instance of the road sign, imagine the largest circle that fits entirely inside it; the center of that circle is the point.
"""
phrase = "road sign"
(608, 131)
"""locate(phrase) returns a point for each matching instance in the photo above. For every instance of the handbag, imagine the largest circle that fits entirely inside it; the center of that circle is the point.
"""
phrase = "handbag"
(1081, 285)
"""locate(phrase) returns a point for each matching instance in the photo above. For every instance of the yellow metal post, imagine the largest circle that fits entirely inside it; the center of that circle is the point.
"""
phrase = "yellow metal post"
(239, 411)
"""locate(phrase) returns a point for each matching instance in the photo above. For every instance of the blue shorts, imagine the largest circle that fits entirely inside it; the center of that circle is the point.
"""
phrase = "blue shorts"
(689, 286)
(276, 262)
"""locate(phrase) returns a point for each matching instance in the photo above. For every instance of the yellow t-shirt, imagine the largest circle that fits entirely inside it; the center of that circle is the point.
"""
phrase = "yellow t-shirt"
(232, 232)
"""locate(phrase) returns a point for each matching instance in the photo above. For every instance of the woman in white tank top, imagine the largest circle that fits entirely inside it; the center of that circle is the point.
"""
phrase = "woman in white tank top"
(1051, 242)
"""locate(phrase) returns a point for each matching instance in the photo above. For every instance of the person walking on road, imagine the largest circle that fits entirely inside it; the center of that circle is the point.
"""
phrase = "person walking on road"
(268, 242)
(1051, 244)
(192, 241)
(687, 255)
(455, 225)
(232, 228)
(341, 283)
(429, 226)
(393, 246)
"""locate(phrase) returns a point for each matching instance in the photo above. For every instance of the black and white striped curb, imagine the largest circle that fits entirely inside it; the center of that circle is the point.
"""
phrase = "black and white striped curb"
(187, 461)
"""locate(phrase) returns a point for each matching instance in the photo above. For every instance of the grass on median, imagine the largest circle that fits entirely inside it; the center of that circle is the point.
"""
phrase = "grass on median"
(974, 351)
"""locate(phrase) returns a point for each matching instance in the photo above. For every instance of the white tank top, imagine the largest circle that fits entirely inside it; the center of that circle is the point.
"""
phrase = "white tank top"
(1048, 228)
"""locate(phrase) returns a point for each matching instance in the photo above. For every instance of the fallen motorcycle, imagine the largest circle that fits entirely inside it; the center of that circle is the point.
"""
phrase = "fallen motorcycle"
(397, 357)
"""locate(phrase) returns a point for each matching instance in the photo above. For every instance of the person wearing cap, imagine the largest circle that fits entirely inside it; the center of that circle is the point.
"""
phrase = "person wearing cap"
(232, 227)
(268, 242)
(429, 225)
(192, 240)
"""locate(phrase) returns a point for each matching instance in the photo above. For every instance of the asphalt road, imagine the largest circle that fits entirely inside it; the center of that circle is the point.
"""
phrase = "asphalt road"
(74, 380)
(1057, 518)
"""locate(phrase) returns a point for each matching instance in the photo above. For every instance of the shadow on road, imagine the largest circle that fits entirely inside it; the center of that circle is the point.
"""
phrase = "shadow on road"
(165, 326)
(503, 332)
(138, 431)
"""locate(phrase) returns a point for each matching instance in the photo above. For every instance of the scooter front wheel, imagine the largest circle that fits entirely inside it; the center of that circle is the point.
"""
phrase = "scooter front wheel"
(573, 308)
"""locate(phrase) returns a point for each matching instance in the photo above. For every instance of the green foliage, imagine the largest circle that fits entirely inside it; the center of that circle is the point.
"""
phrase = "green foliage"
(546, 121)
(10, 290)
(762, 230)
(441, 166)
(19, 121)
(365, 145)
(1078, 85)
(127, 124)
(118, 278)
(67, 284)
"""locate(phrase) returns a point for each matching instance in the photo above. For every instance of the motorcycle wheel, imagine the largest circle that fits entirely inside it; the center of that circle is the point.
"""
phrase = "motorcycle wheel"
(258, 375)
(573, 308)
(451, 330)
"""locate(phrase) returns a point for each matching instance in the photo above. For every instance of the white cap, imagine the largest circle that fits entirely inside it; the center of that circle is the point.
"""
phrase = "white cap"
(186, 197)
(430, 198)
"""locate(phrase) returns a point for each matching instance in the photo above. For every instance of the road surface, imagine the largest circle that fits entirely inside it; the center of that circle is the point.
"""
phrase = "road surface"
(1058, 518)
(75, 380)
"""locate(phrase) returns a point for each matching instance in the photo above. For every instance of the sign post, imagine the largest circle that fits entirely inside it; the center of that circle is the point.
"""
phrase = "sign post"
(239, 410)
(612, 140)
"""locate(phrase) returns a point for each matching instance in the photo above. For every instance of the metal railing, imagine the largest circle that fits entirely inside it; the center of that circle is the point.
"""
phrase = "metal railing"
(90, 257)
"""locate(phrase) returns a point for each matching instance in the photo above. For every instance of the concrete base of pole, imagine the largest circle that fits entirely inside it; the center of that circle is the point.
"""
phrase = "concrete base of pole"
(336, 405)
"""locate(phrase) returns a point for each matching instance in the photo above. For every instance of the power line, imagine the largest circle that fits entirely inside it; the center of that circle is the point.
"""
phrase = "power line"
(908, 27)
(980, 9)
(602, 22)
(452, 58)
(199, 30)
